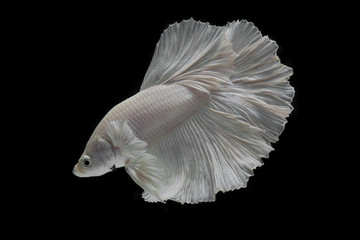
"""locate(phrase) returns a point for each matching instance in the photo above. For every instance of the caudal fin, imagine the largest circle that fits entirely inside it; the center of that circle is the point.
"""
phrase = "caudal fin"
(218, 147)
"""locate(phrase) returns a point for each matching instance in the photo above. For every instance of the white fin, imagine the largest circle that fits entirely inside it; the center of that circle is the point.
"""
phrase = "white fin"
(193, 54)
(211, 152)
(261, 93)
(218, 148)
(148, 173)
(145, 169)
(126, 145)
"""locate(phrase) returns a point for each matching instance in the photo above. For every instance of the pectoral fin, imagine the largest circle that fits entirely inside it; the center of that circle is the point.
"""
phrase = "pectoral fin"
(145, 169)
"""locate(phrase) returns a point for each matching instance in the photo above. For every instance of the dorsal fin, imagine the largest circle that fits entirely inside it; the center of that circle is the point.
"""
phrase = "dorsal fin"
(192, 54)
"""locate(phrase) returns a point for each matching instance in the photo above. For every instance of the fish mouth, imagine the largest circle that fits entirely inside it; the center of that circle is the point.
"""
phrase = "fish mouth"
(77, 172)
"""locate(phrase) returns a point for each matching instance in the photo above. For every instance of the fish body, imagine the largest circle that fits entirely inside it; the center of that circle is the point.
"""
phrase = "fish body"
(155, 111)
(211, 103)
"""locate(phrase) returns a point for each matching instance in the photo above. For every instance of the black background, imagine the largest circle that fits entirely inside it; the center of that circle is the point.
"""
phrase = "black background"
(84, 59)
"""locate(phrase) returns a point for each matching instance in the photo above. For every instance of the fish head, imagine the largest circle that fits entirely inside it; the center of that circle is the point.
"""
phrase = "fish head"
(98, 158)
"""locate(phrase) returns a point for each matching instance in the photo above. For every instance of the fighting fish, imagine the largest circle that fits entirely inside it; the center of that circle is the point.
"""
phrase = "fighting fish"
(212, 102)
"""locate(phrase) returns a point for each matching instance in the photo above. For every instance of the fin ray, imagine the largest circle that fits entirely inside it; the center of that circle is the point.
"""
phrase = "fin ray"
(218, 148)
(218, 153)
(145, 169)
(148, 173)
(193, 54)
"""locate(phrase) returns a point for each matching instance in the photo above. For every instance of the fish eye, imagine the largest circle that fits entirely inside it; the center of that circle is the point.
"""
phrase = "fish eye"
(86, 162)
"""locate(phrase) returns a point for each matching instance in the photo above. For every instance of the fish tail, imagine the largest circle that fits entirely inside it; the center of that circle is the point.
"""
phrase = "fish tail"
(250, 99)
(260, 93)
(253, 108)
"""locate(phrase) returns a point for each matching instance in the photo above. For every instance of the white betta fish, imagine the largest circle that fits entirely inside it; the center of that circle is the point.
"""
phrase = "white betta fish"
(211, 103)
